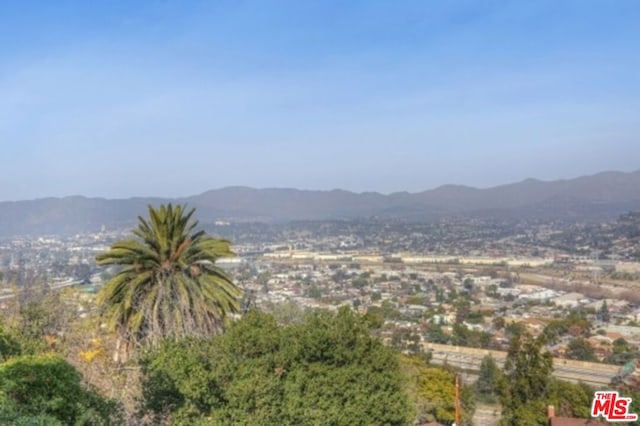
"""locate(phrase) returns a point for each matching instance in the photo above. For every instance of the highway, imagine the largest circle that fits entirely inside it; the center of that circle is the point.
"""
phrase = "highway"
(469, 359)
(54, 286)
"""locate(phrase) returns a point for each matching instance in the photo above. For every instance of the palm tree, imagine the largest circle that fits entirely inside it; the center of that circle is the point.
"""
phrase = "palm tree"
(168, 285)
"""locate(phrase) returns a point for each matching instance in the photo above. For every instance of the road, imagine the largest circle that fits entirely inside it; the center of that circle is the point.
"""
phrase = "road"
(469, 359)
(55, 286)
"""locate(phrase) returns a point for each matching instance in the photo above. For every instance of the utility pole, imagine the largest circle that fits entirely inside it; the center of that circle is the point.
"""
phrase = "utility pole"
(457, 401)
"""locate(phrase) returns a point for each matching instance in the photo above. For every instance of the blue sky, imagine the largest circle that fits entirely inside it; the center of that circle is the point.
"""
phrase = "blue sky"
(172, 98)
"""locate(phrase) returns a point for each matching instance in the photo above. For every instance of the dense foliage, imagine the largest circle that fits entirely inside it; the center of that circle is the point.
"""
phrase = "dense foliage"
(622, 353)
(527, 387)
(580, 349)
(9, 345)
(326, 369)
(431, 390)
(45, 389)
(487, 387)
(527, 373)
(575, 324)
(168, 284)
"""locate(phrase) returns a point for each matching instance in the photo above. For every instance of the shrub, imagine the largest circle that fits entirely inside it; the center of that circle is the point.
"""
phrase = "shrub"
(325, 370)
(44, 388)
(9, 345)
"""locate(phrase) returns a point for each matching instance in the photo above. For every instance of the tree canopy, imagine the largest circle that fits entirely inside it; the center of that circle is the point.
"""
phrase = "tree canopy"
(487, 386)
(580, 349)
(526, 384)
(168, 284)
(431, 390)
(326, 369)
(45, 389)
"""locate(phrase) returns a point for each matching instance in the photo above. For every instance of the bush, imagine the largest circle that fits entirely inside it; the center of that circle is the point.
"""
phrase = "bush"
(325, 370)
(9, 345)
(46, 389)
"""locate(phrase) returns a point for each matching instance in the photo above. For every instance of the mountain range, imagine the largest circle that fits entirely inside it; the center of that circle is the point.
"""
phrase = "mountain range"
(601, 196)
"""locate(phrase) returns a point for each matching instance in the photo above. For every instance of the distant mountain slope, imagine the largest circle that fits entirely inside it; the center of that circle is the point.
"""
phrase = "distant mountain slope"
(601, 196)
(288, 204)
(68, 215)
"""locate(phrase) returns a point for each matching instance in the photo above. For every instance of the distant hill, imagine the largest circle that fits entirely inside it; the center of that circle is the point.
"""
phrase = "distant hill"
(597, 197)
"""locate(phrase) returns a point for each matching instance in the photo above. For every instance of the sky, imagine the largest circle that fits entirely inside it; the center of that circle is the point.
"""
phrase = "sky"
(172, 98)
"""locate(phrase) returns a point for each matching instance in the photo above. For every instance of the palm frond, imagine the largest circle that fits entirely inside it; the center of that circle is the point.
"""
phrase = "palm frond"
(168, 284)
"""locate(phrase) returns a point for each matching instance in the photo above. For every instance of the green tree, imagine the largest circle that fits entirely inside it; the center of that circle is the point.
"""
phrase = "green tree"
(389, 310)
(514, 329)
(168, 284)
(463, 309)
(435, 334)
(575, 324)
(9, 345)
(432, 391)
(462, 336)
(405, 340)
(492, 291)
(603, 313)
(569, 399)
(487, 386)
(325, 370)
(374, 317)
(360, 282)
(314, 292)
(263, 279)
(580, 349)
(622, 353)
(526, 384)
(468, 285)
(498, 323)
(45, 389)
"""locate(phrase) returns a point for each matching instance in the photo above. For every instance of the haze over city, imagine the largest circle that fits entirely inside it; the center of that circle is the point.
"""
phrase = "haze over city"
(285, 212)
(162, 98)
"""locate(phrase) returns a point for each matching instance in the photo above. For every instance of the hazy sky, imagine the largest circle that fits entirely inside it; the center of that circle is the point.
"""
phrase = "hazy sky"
(172, 98)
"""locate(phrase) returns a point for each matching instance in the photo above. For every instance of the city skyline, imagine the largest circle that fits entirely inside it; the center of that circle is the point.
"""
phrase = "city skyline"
(172, 99)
